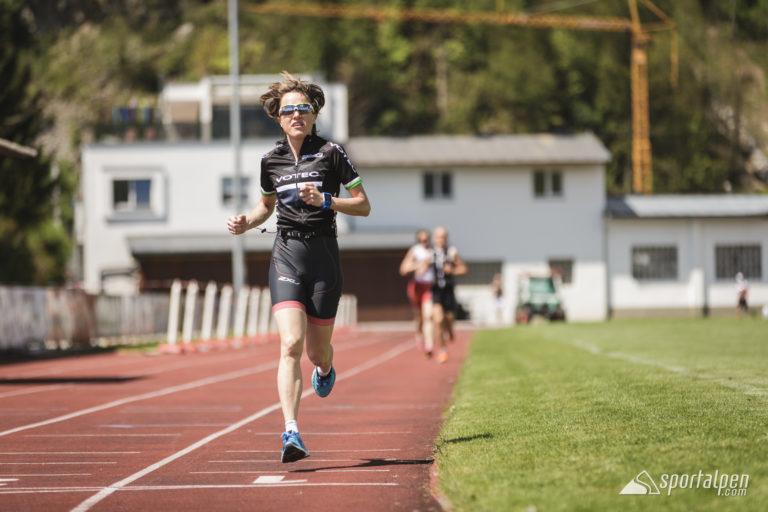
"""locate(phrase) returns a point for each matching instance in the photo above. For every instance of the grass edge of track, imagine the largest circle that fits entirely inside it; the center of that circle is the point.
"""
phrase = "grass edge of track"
(538, 423)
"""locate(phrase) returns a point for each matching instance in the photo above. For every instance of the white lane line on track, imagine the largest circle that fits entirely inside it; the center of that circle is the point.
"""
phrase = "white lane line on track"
(276, 479)
(48, 474)
(70, 367)
(68, 453)
(46, 490)
(74, 463)
(222, 357)
(153, 394)
(121, 434)
(36, 389)
(121, 485)
(7, 411)
(154, 409)
(174, 389)
(166, 425)
(37, 490)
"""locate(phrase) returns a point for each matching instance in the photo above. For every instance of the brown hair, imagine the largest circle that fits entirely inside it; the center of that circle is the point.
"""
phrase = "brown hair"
(270, 100)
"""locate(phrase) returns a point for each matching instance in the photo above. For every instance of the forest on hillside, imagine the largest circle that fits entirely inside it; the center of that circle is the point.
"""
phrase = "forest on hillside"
(67, 64)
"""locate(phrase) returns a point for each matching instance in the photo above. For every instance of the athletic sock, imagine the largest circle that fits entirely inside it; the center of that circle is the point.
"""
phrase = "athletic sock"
(291, 425)
(321, 373)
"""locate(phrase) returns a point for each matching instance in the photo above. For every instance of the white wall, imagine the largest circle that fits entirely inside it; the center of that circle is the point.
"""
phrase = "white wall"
(185, 196)
(695, 240)
(493, 213)
(494, 216)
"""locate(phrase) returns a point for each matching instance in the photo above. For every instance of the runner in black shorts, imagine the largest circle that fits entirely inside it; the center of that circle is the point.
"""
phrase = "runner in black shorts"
(446, 263)
(302, 176)
(306, 274)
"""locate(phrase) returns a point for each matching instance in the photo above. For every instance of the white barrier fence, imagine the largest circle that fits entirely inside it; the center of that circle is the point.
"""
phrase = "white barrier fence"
(36, 318)
(252, 312)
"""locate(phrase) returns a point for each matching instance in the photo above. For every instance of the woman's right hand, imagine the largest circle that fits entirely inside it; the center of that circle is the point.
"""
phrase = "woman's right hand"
(237, 224)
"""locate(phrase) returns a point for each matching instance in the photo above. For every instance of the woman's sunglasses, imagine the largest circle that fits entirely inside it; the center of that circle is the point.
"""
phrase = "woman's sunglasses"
(301, 108)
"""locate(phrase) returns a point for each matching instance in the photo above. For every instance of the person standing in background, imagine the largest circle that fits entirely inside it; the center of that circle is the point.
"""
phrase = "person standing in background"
(498, 298)
(742, 290)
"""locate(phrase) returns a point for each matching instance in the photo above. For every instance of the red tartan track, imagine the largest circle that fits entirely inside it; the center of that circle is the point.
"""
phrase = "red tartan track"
(200, 430)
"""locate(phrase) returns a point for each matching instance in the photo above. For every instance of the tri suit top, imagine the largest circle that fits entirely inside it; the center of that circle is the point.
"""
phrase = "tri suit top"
(443, 284)
(321, 162)
(305, 270)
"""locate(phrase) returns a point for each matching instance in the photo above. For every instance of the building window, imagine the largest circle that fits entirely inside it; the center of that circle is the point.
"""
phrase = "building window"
(228, 190)
(547, 183)
(479, 272)
(658, 262)
(563, 268)
(438, 185)
(131, 195)
(730, 259)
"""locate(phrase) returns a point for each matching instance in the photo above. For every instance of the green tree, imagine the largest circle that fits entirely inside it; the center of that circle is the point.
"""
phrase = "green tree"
(33, 248)
(409, 77)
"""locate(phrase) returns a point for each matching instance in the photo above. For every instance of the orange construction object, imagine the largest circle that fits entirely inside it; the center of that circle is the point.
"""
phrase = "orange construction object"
(642, 168)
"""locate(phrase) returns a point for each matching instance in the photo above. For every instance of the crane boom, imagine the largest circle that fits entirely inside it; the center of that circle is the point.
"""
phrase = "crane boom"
(434, 15)
(642, 173)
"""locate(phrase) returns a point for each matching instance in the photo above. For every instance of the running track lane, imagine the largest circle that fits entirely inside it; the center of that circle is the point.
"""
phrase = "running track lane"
(201, 431)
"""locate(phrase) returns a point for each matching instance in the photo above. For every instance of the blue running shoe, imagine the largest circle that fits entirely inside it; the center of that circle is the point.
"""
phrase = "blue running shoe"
(323, 385)
(293, 447)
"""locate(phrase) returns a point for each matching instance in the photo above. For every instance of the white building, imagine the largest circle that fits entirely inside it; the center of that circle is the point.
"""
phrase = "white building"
(678, 254)
(511, 204)
(154, 211)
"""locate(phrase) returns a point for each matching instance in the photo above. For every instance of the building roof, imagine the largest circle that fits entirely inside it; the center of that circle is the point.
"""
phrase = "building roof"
(687, 206)
(492, 150)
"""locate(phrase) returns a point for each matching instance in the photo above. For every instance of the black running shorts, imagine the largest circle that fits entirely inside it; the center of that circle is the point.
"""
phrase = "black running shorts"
(306, 274)
(445, 297)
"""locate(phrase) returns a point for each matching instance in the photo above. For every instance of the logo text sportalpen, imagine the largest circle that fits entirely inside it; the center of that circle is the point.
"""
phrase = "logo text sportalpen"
(725, 483)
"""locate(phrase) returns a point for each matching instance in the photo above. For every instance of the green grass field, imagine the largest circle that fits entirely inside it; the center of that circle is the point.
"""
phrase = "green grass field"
(563, 416)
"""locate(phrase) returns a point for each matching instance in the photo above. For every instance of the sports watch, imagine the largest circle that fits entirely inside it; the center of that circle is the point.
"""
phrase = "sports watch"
(327, 200)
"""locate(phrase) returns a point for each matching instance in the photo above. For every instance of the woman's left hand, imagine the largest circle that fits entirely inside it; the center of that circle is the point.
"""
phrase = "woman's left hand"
(310, 194)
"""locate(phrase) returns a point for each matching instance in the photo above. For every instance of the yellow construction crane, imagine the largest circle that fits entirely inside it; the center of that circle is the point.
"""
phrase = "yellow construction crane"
(642, 169)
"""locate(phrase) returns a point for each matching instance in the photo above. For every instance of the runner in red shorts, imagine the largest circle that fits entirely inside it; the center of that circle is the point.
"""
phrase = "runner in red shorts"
(416, 263)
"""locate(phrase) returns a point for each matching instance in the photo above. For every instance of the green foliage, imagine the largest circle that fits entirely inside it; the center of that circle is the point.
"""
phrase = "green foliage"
(32, 248)
(415, 77)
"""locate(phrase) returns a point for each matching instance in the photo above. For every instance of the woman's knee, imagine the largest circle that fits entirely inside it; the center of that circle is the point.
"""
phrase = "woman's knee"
(291, 346)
